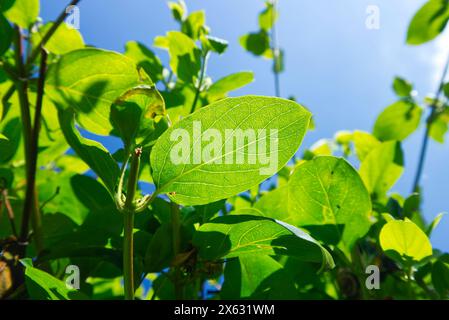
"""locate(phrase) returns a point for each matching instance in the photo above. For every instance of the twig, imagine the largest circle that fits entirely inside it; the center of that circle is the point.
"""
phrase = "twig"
(275, 49)
(9, 211)
(429, 121)
(35, 53)
(200, 81)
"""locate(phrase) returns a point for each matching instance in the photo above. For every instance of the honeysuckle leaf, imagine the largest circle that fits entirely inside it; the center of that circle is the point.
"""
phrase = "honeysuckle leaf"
(214, 44)
(258, 43)
(178, 10)
(402, 87)
(92, 152)
(145, 59)
(185, 56)
(222, 87)
(404, 241)
(137, 115)
(89, 81)
(428, 22)
(64, 40)
(250, 139)
(397, 121)
(364, 143)
(43, 286)
(21, 12)
(238, 235)
(327, 197)
(268, 17)
(382, 167)
(194, 25)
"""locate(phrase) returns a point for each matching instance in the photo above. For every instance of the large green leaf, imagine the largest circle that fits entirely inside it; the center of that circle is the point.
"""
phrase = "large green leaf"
(229, 83)
(404, 241)
(327, 196)
(397, 121)
(257, 277)
(21, 12)
(92, 152)
(440, 275)
(43, 286)
(90, 80)
(208, 165)
(238, 235)
(382, 167)
(428, 22)
(64, 40)
(145, 58)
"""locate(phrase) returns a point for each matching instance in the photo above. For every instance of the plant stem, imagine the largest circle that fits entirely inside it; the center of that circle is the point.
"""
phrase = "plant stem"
(200, 81)
(9, 211)
(128, 226)
(275, 49)
(429, 121)
(35, 53)
(22, 90)
(175, 221)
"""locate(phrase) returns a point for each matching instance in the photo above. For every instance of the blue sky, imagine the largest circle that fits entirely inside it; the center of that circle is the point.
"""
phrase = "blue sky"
(337, 67)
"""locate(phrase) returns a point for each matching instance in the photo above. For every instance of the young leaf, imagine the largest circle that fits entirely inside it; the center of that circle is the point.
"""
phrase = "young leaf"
(43, 286)
(185, 56)
(92, 152)
(404, 241)
(382, 167)
(364, 143)
(397, 121)
(268, 17)
(257, 43)
(327, 196)
(428, 22)
(21, 12)
(402, 87)
(229, 83)
(194, 25)
(214, 44)
(238, 235)
(439, 127)
(64, 40)
(145, 59)
(196, 165)
(90, 80)
(178, 10)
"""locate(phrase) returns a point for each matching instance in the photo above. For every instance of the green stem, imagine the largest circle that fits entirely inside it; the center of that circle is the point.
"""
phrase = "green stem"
(275, 49)
(430, 119)
(128, 214)
(175, 220)
(200, 81)
(35, 53)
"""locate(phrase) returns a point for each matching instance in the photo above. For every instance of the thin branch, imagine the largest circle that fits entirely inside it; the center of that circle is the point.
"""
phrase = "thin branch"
(33, 151)
(429, 121)
(9, 211)
(35, 53)
(275, 49)
(200, 82)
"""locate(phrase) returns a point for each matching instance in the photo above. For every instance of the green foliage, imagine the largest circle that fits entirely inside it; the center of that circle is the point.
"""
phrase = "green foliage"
(327, 197)
(251, 224)
(404, 241)
(397, 121)
(428, 22)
